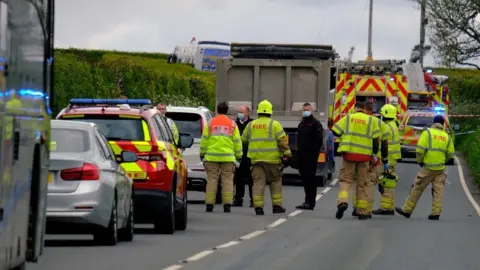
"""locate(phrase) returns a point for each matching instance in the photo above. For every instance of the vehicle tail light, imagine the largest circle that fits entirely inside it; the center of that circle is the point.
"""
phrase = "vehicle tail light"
(87, 172)
(201, 126)
(153, 156)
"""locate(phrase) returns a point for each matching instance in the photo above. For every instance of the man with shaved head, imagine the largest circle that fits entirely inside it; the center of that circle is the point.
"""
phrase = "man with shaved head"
(242, 174)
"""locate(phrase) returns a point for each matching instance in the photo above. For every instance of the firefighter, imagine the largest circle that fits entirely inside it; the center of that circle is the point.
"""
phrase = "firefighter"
(267, 149)
(434, 150)
(359, 140)
(242, 174)
(386, 187)
(220, 149)
(309, 141)
(162, 108)
(375, 165)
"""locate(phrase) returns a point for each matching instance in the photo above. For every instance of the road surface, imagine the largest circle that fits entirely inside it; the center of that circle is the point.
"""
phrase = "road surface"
(307, 240)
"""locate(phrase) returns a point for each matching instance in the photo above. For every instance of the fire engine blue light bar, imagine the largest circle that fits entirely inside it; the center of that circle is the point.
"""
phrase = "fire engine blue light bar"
(94, 101)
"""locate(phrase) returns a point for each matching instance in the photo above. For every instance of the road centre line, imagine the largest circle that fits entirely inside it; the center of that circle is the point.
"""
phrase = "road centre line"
(465, 187)
(249, 236)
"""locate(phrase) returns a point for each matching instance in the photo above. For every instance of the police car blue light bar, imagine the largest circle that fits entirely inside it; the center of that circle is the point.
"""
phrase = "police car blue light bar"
(95, 101)
(439, 108)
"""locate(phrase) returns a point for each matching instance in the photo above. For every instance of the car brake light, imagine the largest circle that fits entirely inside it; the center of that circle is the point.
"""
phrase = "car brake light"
(87, 172)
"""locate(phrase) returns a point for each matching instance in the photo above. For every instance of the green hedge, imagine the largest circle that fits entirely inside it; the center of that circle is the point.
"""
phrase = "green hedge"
(470, 145)
(109, 74)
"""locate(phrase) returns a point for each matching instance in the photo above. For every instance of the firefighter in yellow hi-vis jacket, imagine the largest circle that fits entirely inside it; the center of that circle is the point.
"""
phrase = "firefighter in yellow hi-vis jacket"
(359, 135)
(12, 107)
(434, 150)
(267, 147)
(388, 181)
(375, 166)
(221, 150)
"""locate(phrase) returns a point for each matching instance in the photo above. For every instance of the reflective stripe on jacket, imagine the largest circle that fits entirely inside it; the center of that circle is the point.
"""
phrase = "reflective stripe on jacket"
(264, 135)
(434, 148)
(357, 131)
(221, 140)
(394, 148)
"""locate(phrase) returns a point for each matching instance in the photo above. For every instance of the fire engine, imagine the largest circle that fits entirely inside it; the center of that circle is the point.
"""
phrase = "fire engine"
(404, 85)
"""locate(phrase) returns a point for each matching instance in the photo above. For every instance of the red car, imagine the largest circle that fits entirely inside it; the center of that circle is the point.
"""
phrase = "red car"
(160, 174)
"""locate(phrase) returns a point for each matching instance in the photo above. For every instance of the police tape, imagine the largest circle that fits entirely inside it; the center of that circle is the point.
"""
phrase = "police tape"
(466, 132)
(464, 115)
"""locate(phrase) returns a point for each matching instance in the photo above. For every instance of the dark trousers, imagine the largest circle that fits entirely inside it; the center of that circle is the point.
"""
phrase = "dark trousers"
(242, 177)
(307, 169)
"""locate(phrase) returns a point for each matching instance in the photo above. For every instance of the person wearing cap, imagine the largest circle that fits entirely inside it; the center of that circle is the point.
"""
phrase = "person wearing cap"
(434, 149)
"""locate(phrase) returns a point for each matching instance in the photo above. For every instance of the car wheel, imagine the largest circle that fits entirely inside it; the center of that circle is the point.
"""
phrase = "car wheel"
(321, 181)
(181, 216)
(126, 234)
(165, 223)
(329, 176)
(109, 236)
(451, 162)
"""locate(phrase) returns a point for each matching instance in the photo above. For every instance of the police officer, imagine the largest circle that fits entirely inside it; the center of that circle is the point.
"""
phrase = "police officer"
(162, 108)
(375, 165)
(309, 142)
(242, 174)
(359, 140)
(434, 149)
(267, 147)
(220, 149)
(387, 201)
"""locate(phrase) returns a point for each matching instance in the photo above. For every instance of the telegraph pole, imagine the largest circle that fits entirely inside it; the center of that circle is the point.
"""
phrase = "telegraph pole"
(370, 26)
(423, 25)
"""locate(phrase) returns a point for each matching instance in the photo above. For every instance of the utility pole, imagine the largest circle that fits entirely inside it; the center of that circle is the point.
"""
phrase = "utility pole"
(370, 26)
(423, 25)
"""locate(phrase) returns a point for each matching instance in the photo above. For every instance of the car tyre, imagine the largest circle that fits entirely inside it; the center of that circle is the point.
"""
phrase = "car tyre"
(127, 234)
(165, 223)
(329, 176)
(109, 236)
(181, 216)
(321, 180)
(451, 162)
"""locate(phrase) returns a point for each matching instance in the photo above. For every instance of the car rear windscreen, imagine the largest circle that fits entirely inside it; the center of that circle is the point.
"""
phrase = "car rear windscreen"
(69, 140)
(118, 129)
(420, 121)
(189, 123)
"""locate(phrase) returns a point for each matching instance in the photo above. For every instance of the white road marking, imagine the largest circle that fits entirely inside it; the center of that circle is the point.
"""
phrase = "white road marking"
(294, 213)
(199, 255)
(276, 223)
(465, 187)
(249, 236)
(229, 244)
(174, 267)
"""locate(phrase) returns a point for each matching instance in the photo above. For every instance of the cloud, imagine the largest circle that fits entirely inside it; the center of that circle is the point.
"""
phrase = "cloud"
(160, 25)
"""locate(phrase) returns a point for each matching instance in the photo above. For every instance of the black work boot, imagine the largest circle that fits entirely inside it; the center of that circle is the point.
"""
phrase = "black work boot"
(341, 208)
(209, 208)
(237, 203)
(277, 209)
(383, 212)
(227, 208)
(401, 212)
(369, 216)
(354, 212)
(362, 217)
(434, 217)
(259, 211)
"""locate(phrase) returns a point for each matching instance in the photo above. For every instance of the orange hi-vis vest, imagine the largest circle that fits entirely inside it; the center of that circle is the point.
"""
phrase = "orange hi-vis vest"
(221, 140)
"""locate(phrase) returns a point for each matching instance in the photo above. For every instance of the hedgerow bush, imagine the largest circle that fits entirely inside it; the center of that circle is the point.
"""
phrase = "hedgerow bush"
(107, 74)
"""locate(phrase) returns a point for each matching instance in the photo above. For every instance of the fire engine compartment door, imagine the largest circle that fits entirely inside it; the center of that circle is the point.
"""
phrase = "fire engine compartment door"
(378, 101)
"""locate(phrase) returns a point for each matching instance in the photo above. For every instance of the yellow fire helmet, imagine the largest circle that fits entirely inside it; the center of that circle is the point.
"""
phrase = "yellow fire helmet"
(388, 180)
(265, 107)
(389, 111)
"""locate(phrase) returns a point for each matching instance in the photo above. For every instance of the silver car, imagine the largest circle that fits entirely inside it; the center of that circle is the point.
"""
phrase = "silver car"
(88, 191)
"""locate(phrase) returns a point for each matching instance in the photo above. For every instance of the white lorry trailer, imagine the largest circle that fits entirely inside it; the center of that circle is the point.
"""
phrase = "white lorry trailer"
(287, 76)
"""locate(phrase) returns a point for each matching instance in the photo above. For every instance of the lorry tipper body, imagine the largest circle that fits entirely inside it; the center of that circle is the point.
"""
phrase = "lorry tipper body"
(287, 76)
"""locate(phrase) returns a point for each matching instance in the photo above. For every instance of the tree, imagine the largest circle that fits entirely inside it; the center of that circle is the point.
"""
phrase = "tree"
(454, 31)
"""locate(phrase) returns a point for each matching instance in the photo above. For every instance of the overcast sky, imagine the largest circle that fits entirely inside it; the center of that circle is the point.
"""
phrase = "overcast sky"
(159, 25)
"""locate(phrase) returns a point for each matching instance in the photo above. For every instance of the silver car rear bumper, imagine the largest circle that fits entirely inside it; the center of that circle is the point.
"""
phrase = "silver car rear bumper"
(197, 178)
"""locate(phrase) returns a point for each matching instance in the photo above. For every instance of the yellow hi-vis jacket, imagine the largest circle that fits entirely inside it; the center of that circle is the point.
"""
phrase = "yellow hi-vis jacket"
(221, 140)
(357, 131)
(266, 141)
(434, 148)
(390, 133)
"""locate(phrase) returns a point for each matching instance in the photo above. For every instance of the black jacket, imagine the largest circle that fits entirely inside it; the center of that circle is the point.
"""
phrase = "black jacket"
(310, 137)
(241, 128)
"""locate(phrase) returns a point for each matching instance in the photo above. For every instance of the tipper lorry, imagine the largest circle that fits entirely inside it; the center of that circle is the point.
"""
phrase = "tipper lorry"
(287, 76)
